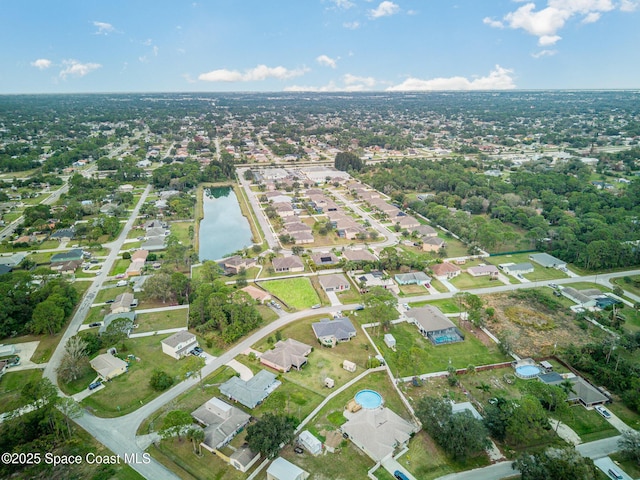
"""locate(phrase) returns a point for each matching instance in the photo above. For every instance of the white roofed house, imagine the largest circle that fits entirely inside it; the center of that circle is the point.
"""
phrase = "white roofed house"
(179, 344)
(517, 268)
(107, 366)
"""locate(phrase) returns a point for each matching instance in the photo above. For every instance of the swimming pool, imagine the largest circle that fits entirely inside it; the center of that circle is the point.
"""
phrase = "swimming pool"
(527, 371)
(368, 399)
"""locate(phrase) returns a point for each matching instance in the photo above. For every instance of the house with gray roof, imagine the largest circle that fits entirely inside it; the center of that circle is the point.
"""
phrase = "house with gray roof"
(179, 344)
(434, 325)
(330, 332)
(286, 354)
(517, 268)
(288, 264)
(252, 392)
(221, 422)
(73, 254)
(547, 261)
(127, 326)
(583, 392)
(413, 278)
(578, 297)
(154, 243)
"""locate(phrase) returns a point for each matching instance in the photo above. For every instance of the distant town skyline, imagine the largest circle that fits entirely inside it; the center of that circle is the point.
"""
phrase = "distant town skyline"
(84, 46)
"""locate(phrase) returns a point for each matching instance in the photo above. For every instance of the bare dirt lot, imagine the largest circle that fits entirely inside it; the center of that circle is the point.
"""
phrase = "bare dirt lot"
(533, 328)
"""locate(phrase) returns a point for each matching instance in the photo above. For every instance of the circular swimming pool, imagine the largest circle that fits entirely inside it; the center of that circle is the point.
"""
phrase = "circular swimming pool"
(527, 371)
(368, 399)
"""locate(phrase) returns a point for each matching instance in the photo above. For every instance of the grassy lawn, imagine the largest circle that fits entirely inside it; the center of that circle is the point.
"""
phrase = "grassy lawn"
(416, 355)
(350, 296)
(438, 285)
(120, 266)
(181, 231)
(455, 248)
(266, 313)
(464, 281)
(630, 467)
(589, 424)
(409, 290)
(96, 314)
(447, 305)
(297, 293)
(539, 273)
(47, 345)
(629, 287)
(127, 392)
(154, 321)
(11, 388)
(109, 293)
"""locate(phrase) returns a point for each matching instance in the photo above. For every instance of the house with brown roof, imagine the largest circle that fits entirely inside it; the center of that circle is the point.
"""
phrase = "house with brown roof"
(107, 366)
(483, 271)
(360, 255)
(335, 282)
(288, 264)
(286, 355)
(445, 270)
(433, 244)
(234, 264)
(122, 303)
(406, 222)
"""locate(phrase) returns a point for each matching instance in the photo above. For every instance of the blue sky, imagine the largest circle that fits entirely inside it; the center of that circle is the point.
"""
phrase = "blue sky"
(320, 45)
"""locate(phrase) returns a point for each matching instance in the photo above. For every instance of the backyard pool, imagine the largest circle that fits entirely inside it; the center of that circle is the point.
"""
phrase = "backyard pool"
(368, 399)
(527, 371)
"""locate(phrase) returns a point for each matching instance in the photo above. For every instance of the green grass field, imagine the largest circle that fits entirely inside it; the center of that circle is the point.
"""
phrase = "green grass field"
(297, 293)
(11, 388)
(464, 281)
(154, 321)
(589, 424)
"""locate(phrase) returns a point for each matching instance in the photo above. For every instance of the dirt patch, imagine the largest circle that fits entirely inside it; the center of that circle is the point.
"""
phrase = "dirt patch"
(468, 329)
(533, 329)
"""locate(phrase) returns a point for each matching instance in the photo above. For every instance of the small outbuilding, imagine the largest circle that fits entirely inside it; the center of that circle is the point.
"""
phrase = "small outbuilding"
(310, 443)
(349, 366)
(390, 341)
(281, 469)
(329, 382)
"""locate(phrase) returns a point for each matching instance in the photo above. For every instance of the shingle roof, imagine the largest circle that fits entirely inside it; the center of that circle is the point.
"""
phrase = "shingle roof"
(340, 328)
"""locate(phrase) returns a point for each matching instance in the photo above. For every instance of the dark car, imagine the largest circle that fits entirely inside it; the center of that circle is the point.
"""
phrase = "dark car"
(94, 385)
(399, 475)
(298, 450)
(95, 324)
(110, 301)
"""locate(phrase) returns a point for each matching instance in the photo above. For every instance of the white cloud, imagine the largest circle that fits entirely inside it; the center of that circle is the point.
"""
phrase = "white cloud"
(155, 50)
(548, 21)
(188, 78)
(261, 72)
(355, 80)
(498, 79)
(77, 69)
(492, 23)
(544, 53)
(412, 12)
(385, 9)
(351, 25)
(628, 6)
(103, 28)
(41, 63)
(591, 17)
(548, 40)
(326, 61)
(343, 4)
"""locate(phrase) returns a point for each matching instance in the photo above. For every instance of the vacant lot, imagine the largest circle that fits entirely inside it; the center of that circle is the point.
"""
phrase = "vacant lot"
(11, 388)
(536, 323)
(297, 293)
(154, 321)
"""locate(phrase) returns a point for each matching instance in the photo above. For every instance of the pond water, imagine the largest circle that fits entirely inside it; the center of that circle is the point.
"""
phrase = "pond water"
(223, 230)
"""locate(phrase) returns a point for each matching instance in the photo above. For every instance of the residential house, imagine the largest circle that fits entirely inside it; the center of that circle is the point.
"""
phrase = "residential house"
(377, 432)
(331, 332)
(63, 235)
(548, 261)
(233, 265)
(445, 270)
(335, 282)
(434, 325)
(483, 271)
(179, 344)
(374, 279)
(107, 366)
(324, 258)
(73, 254)
(301, 237)
(286, 354)
(281, 469)
(154, 244)
(252, 392)
(517, 268)
(257, 293)
(583, 392)
(433, 244)
(359, 255)
(413, 278)
(221, 422)
(425, 231)
(122, 303)
(290, 264)
(14, 260)
(578, 297)
(406, 222)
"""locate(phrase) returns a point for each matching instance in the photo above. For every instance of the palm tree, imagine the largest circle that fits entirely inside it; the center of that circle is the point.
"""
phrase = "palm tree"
(567, 385)
(196, 435)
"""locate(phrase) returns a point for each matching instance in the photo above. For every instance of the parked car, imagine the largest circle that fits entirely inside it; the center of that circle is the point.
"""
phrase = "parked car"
(298, 450)
(613, 473)
(399, 475)
(553, 285)
(359, 307)
(317, 305)
(95, 324)
(109, 301)
(603, 411)
(120, 275)
(94, 385)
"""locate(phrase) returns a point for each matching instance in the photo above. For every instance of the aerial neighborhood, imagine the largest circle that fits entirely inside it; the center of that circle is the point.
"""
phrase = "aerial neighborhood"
(390, 286)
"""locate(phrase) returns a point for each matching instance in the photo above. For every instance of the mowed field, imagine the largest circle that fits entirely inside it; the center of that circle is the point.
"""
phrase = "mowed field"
(297, 293)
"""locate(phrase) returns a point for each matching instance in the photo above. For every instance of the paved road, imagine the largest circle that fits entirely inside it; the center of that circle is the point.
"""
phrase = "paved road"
(269, 236)
(87, 301)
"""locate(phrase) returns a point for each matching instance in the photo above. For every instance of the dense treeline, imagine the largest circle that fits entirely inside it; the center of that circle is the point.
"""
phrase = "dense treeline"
(188, 174)
(561, 211)
(348, 161)
(220, 313)
(27, 307)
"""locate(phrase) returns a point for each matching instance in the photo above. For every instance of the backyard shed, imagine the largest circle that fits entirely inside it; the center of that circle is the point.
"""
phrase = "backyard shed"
(329, 382)
(390, 341)
(311, 443)
(349, 366)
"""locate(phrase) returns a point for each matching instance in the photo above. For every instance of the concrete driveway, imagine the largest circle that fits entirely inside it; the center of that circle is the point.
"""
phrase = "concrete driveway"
(25, 351)
(244, 371)
(605, 463)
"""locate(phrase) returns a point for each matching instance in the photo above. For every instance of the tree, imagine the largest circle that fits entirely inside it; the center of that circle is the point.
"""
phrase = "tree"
(528, 421)
(191, 365)
(159, 287)
(268, 433)
(556, 463)
(40, 392)
(175, 423)
(196, 435)
(160, 380)
(75, 359)
(629, 445)
(47, 317)
(117, 331)
(70, 409)
(497, 417)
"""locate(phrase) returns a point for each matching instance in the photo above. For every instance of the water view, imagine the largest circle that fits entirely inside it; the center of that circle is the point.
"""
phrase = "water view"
(223, 229)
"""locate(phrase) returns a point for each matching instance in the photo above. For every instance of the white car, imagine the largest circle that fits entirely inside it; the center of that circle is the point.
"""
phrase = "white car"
(603, 411)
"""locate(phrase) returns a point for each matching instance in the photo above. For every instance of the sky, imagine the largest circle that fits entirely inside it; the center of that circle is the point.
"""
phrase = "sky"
(77, 46)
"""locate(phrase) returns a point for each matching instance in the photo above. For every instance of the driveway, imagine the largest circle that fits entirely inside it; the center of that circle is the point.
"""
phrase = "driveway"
(333, 298)
(244, 371)
(25, 351)
(391, 465)
(617, 423)
(606, 463)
